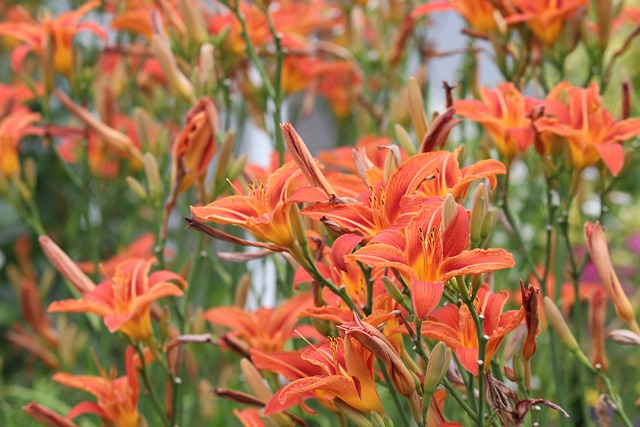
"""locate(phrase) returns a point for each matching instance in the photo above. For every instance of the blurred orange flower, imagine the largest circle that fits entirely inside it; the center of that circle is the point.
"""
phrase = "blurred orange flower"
(577, 114)
(13, 128)
(479, 13)
(124, 299)
(545, 18)
(117, 397)
(59, 31)
(504, 113)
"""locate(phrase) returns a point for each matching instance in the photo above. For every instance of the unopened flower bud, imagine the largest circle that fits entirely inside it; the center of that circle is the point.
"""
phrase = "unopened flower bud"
(625, 337)
(143, 123)
(47, 416)
(207, 72)
(395, 293)
(242, 290)
(557, 322)
(66, 266)
(254, 380)
(437, 367)
(225, 159)
(518, 368)
(404, 139)
(193, 19)
(605, 14)
(30, 172)
(178, 82)
(153, 176)
(626, 99)
(449, 210)
(597, 319)
(479, 210)
(599, 251)
(356, 417)
(47, 61)
(416, 109)
(378, 421)
(392, 161)
(137, 187)
(488, 224)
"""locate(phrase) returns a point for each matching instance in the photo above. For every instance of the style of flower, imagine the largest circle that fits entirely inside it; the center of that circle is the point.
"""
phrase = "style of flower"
(545, 18)
(577, 114)
(59, 31)
(505, 114)
(267, 329)
(432, 250)
(117, 397)
(455, 327)
(264, 211)
(124, 299)
(13, 128)
(346, 373)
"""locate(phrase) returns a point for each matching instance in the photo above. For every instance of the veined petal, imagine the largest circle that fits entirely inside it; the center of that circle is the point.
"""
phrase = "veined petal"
(228, 210)
(476, 261)
(425, 296)
(380, 254)
(80, 306)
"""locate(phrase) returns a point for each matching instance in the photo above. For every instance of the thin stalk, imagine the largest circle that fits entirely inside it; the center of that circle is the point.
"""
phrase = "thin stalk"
(394, 395)
(151, 391)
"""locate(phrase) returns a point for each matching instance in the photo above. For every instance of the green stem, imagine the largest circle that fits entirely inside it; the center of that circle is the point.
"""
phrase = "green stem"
(151, 391)
(394, 395)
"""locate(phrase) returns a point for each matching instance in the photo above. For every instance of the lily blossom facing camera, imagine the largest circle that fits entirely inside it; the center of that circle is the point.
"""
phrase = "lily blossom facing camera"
(124, 299)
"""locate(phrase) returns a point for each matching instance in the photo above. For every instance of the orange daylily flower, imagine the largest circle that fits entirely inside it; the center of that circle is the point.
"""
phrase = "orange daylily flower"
(455, 327)
(13, 128)
(142, 247)
(545, 18)
(347, 374)
(392, 204)
(117, 397)
(267, 329)
(264, 211)
(504, 113)
(591, 132)
(432, 250)
(479, 13)
(124, 299)
(60, 30)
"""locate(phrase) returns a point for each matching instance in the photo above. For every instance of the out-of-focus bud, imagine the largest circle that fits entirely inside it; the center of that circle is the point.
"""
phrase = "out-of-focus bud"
(143, 123)
(65, 266)
(47, 61)
(30, 172)
(254, 380)
(112, 137)
(178, 82)
(624, 337)
(356, 417)
(375, 341)
(392, 161)
(626, 99)
(479, 209)
(400, 42)
(153, 176)
(207, 77)
(488, 224)
(404, 139)
(46, 416)
(416, 109)
(193, 17)
(137, 187)
(195, 146)
(22, 188)
(557, 322)
(437, 367)
(599, 251)
(305, 160)
(449, 210)
(242, 290)
(597, 319)
(164, 323)
(605, 17)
